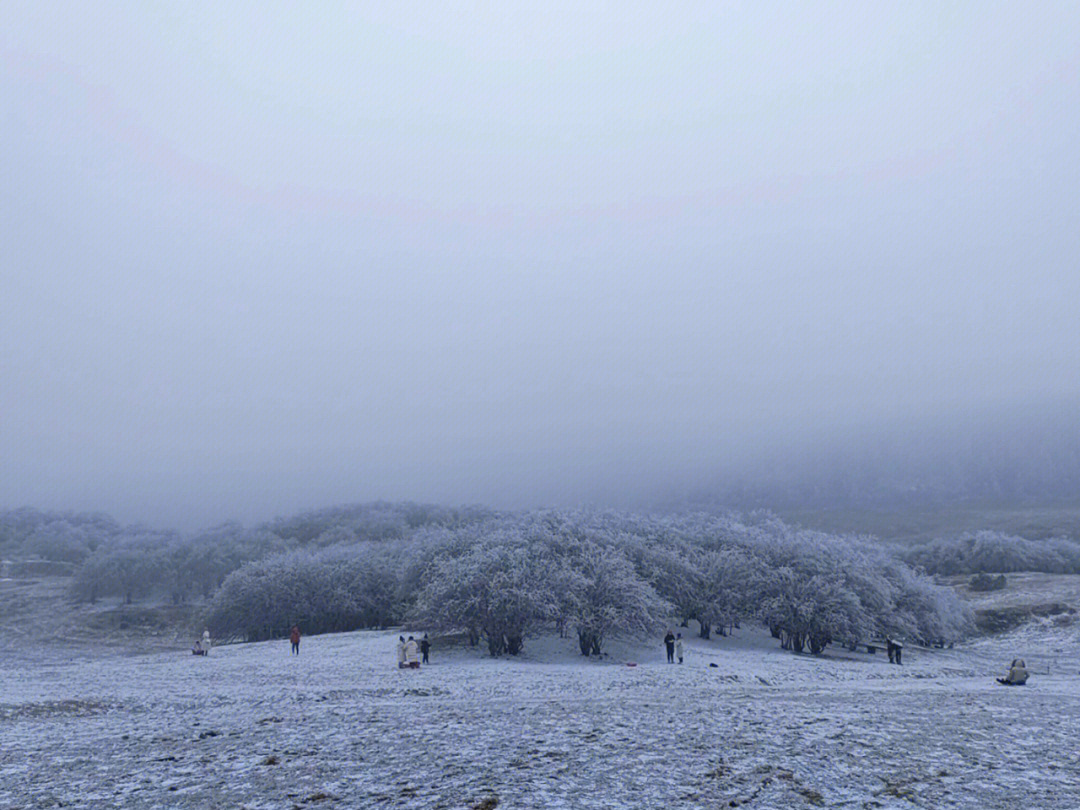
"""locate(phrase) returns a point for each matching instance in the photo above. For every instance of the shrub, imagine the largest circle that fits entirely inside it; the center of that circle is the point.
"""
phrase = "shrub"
(985, 582)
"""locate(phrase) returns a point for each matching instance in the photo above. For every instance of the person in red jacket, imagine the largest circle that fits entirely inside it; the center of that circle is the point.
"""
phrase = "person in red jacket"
(294, 639)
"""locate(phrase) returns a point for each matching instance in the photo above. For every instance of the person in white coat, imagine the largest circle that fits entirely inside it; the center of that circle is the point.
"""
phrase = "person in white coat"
(1018, 674)
(401, 652)
(206, 640)
(411, 648)
(678, 646)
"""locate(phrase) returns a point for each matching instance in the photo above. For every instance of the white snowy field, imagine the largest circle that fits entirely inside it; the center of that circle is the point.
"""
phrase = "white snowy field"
(339, 726)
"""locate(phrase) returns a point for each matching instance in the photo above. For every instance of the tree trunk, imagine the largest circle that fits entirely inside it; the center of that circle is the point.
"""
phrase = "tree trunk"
(706, 630)
(584, 638)
(474, 637)
(798, 642)
(514, 644)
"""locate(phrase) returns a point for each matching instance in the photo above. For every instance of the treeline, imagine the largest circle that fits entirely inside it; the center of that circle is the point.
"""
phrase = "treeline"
(139, 564)
(111, 560)
(376, 522)
(988, 552)
(67, 537)
(503, 578)
(133, 562)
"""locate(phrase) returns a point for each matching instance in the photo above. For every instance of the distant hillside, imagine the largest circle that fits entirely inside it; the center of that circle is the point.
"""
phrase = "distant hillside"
(938, 469)
(919, 523)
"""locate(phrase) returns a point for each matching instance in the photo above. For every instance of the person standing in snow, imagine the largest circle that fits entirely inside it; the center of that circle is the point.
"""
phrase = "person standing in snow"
(410, 654)
(898, 651)
(401, 652)
(294, 639)
(425, 648)
(206, 639)
(669, 643)
(678, 646)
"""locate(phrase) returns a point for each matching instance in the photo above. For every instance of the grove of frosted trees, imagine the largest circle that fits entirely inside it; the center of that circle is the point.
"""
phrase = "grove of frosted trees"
(504, 578)
(501, 578)
(110, 560)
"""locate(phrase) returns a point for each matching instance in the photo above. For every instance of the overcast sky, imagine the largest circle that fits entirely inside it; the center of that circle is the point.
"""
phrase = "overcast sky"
(259, 257)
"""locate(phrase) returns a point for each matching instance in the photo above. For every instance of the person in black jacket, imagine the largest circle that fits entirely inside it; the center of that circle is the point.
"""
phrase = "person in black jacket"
(669, 642)
(425, 646)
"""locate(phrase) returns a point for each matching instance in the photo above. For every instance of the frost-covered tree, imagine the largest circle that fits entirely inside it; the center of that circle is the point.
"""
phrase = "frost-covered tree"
(500, 588)
(811, 610)
(922, 610)
(215, 553)
(725, 583)
(63, 541)
(604, 595)
(332, 590)
(675, 569)
(130, 568)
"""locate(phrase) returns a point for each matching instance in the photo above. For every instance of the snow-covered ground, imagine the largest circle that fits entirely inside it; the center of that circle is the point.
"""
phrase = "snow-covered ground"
(252, 726)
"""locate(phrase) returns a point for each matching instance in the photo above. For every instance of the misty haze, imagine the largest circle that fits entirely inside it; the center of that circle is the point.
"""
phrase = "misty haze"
(555, 406)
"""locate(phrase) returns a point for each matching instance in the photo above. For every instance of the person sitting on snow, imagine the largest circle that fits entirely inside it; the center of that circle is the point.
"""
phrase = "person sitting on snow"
(1018, 674)
(198, 649)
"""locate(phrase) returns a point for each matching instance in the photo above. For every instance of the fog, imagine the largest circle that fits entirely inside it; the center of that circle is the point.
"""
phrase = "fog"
(258, 257)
